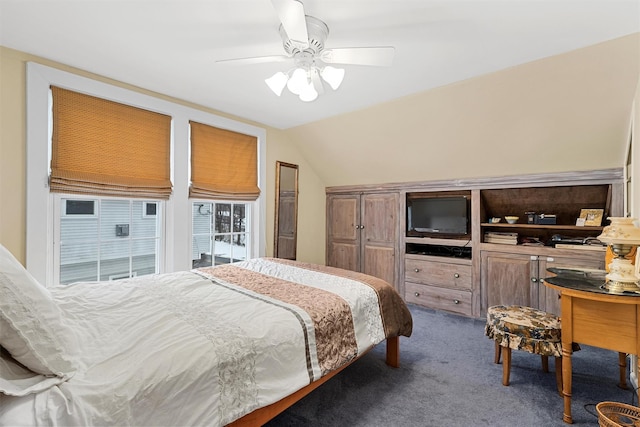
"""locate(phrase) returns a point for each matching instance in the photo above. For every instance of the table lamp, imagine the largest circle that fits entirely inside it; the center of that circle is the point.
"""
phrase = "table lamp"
(621, 236)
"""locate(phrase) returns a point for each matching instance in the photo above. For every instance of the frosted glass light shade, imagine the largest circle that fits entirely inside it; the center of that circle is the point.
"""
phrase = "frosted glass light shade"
(309, 93)
(333, 76)
(277, 82)
(298, 81)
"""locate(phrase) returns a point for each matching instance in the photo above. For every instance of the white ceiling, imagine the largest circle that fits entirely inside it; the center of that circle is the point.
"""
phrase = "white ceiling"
(171, 46)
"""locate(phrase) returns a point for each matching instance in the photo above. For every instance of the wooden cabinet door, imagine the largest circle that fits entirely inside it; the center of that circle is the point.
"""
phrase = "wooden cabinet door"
(379, 223)
(362, 233)
(505, 279)
(549, 299)
(343, 231)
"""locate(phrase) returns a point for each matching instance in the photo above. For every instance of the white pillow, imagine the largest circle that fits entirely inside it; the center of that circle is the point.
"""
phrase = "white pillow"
(32, 328)
(16, 380)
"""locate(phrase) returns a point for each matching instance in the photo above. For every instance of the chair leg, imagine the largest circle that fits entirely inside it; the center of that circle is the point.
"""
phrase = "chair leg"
(558, 364)
(496, 357)
(545, 363)
(622, 362)
(506, 365)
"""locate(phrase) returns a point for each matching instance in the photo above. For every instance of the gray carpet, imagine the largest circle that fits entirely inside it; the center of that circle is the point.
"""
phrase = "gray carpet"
(447, 378)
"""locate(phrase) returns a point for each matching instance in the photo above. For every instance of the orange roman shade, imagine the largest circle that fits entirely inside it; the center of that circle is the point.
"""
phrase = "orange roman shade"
(101, 147)
(224, 164)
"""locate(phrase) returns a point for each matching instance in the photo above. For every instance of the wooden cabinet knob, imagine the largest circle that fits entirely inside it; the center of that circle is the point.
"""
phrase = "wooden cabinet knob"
(534, 280)
(417, 270)
(417, 294)
(456, 275)
(456, 301)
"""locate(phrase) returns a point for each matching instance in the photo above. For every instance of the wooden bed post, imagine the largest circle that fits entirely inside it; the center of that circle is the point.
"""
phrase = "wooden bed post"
(393, 352)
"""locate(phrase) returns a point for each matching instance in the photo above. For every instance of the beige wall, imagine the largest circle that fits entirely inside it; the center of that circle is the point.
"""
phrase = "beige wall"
(13, 171)
(564, 113)
(12, 152)
(311, 199)
(634, 202)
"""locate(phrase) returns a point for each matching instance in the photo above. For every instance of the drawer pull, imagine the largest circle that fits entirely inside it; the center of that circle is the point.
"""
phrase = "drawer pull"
(456, 301)
(417, 294)
(417, 270)
(534, 280)
(456, 275)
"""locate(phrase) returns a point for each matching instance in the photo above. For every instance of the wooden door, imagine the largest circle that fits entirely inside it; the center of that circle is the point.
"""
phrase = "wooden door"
(549, 299)
(379, 235)
(343, 231)
(506, 279)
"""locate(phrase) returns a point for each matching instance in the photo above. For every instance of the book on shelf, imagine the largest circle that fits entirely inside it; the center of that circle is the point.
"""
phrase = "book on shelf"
(500, 234)
(504, 238)
(599, 248)
(500, 241)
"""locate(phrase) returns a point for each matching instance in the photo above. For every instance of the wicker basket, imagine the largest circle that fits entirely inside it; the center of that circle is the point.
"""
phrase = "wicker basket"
(613, 414)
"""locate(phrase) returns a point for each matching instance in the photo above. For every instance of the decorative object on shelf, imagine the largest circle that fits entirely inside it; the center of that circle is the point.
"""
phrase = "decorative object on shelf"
(495, 220)
(546, 219)
(622, 236)
(531, 217)
(511, 219)
(592, 217)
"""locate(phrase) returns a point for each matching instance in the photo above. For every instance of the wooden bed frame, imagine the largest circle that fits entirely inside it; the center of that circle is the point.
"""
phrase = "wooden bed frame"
(262, 415)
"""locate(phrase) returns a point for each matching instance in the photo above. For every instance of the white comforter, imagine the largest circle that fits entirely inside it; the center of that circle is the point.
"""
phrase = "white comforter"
(184, 349)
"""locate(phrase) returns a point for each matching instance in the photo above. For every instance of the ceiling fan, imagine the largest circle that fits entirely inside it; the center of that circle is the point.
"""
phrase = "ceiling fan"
(303, 39)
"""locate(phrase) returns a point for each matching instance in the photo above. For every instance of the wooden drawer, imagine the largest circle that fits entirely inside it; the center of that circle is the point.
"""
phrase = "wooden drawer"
(439, 298)
(448, 275)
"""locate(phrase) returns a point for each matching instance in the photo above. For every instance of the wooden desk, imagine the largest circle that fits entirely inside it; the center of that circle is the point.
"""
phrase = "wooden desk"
(593, 316)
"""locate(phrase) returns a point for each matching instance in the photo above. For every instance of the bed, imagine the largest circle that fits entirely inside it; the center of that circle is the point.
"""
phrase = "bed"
(228, 345)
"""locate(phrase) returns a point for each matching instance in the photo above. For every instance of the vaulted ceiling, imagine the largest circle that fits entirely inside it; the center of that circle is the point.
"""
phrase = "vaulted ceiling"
(172, 46)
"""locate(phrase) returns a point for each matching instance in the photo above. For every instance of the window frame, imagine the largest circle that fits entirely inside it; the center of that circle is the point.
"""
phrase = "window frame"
(177, 230)
(58, 215)
(212, 233)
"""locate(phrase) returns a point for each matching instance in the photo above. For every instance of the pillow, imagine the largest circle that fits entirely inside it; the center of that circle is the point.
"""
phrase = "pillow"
(32, 327)
(16, 380)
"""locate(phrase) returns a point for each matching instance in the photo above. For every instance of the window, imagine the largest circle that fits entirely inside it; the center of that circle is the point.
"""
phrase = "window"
(149, 208)
(220, 233)
(78, 208)
(170, 246)
(118, 241)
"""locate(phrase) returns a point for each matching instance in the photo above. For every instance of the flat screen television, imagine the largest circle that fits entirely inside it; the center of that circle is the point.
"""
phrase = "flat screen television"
(440, 216)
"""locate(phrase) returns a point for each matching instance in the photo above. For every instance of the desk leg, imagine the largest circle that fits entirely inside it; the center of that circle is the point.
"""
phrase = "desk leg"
(566, 302)
(567, 350)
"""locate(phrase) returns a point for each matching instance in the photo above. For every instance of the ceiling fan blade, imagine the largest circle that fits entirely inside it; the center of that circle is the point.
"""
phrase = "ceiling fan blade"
(255, 60)
(381, 56)
(291, 15)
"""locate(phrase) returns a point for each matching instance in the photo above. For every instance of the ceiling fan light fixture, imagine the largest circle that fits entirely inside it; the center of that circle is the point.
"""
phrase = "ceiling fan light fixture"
(309, 93)
(333, 76)
(298, 82)
(277, 82)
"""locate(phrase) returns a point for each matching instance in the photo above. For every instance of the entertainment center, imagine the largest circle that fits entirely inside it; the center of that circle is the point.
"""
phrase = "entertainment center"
(436, 243)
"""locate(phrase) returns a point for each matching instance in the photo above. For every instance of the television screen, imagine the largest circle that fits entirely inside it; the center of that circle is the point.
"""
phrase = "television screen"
(437, 215)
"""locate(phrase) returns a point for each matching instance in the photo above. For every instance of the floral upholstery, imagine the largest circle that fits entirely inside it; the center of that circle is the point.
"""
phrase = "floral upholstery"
(525, 328)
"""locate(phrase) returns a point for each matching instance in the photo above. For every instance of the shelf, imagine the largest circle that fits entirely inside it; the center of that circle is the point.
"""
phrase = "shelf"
(543, 226)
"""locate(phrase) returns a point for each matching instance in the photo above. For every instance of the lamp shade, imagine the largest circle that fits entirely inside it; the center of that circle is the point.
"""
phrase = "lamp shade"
(309, 93)
(333, 76)
(277, 82)
(298, 81)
